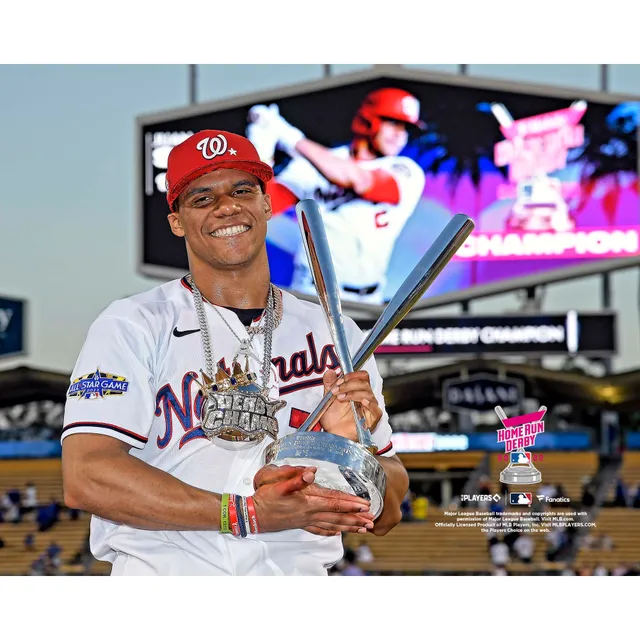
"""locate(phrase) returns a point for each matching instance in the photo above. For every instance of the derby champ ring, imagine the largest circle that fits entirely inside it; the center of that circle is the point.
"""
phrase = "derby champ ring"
(342, 464)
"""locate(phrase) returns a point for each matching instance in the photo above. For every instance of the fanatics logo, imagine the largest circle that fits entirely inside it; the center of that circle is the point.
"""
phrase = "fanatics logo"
(212, 147)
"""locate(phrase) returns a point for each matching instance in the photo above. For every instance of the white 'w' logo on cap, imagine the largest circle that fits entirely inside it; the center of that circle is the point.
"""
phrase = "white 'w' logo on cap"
(212, 147)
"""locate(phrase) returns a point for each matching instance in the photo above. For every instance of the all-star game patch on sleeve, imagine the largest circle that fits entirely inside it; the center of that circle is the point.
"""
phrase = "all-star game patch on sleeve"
(111, 389)
(382, 434)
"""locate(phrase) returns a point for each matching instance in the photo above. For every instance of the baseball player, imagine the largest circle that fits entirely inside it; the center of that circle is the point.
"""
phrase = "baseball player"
(169, 492)
(366, 190)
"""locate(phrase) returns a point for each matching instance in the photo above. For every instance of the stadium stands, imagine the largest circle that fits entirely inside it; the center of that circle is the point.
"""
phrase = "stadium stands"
(70, 535)
(422, 547)
(629, 473)
(412, 547)
(45, 474)
(442, 460)
(622, 525)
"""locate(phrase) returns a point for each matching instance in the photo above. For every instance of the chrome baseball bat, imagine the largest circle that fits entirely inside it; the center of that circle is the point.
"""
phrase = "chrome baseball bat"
(435, 259)
(316, 246)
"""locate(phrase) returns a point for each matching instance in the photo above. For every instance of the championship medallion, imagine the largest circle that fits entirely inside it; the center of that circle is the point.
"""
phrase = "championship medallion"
(236, 407)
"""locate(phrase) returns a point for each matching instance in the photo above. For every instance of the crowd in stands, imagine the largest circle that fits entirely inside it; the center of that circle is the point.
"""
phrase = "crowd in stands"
(625, 495)
(18, 506)
(415, 508)
(47, 563)
(504, 549)
(15, 506)
(352, 561)
(598, 569)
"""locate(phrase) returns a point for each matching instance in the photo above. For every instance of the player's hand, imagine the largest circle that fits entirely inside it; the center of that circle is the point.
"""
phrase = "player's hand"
(264, 116)
(269, 119)
(338, 418)
(287, 498)
(262, 132)
(271, 473)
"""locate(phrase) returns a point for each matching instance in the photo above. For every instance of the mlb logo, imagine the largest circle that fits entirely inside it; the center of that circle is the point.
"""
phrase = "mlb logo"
(521, 498)
(521, 458)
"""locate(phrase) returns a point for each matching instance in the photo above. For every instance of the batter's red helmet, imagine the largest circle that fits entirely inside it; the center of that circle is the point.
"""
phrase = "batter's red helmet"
(394, 104)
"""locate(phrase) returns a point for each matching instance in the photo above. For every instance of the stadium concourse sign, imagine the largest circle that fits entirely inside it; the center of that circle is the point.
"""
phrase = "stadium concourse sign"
(588, 334)
(12, 319)
(481, 392)
(548, 175)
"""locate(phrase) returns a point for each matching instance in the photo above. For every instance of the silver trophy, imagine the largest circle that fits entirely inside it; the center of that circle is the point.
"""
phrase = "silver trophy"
(520, 469)
(343, 464)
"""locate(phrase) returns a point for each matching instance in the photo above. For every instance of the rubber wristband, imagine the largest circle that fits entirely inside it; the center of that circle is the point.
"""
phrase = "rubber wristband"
(224, 514)
(233, 516)
(253, 518)
(241, 522)
(245, 514)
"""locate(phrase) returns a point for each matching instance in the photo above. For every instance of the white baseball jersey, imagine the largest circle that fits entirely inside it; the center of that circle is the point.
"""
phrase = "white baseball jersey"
(361, 233)
(136, 380)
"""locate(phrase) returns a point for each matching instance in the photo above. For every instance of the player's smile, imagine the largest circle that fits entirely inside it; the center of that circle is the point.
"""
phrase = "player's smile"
(230, 232)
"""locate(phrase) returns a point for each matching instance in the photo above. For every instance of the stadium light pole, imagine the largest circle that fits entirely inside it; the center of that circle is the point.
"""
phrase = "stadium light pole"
(605, 278)
(193, 83)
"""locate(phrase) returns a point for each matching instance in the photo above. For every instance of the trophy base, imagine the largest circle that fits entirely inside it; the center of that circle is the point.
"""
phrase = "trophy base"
(343, 465)
(526, 475)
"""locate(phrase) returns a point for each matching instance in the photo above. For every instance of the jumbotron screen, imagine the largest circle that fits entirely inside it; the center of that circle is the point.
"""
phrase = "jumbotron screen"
(551, 183)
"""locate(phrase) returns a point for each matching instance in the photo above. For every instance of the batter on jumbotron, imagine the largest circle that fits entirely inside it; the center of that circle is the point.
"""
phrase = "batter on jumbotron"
(366, 191)
(208, 369)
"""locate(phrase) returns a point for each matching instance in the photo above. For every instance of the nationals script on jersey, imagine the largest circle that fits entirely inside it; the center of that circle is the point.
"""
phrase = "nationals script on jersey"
(136, 380)
(361, 233)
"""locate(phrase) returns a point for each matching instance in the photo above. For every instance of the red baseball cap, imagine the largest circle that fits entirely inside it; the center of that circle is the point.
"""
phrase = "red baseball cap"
(207, 151)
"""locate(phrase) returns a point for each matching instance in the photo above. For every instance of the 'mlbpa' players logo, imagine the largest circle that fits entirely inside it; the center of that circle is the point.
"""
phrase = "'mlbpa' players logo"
(98, 385)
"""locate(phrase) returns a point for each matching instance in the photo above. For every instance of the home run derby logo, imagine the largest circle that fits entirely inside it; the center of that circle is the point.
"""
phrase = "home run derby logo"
(212, 147)
(518, 433)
